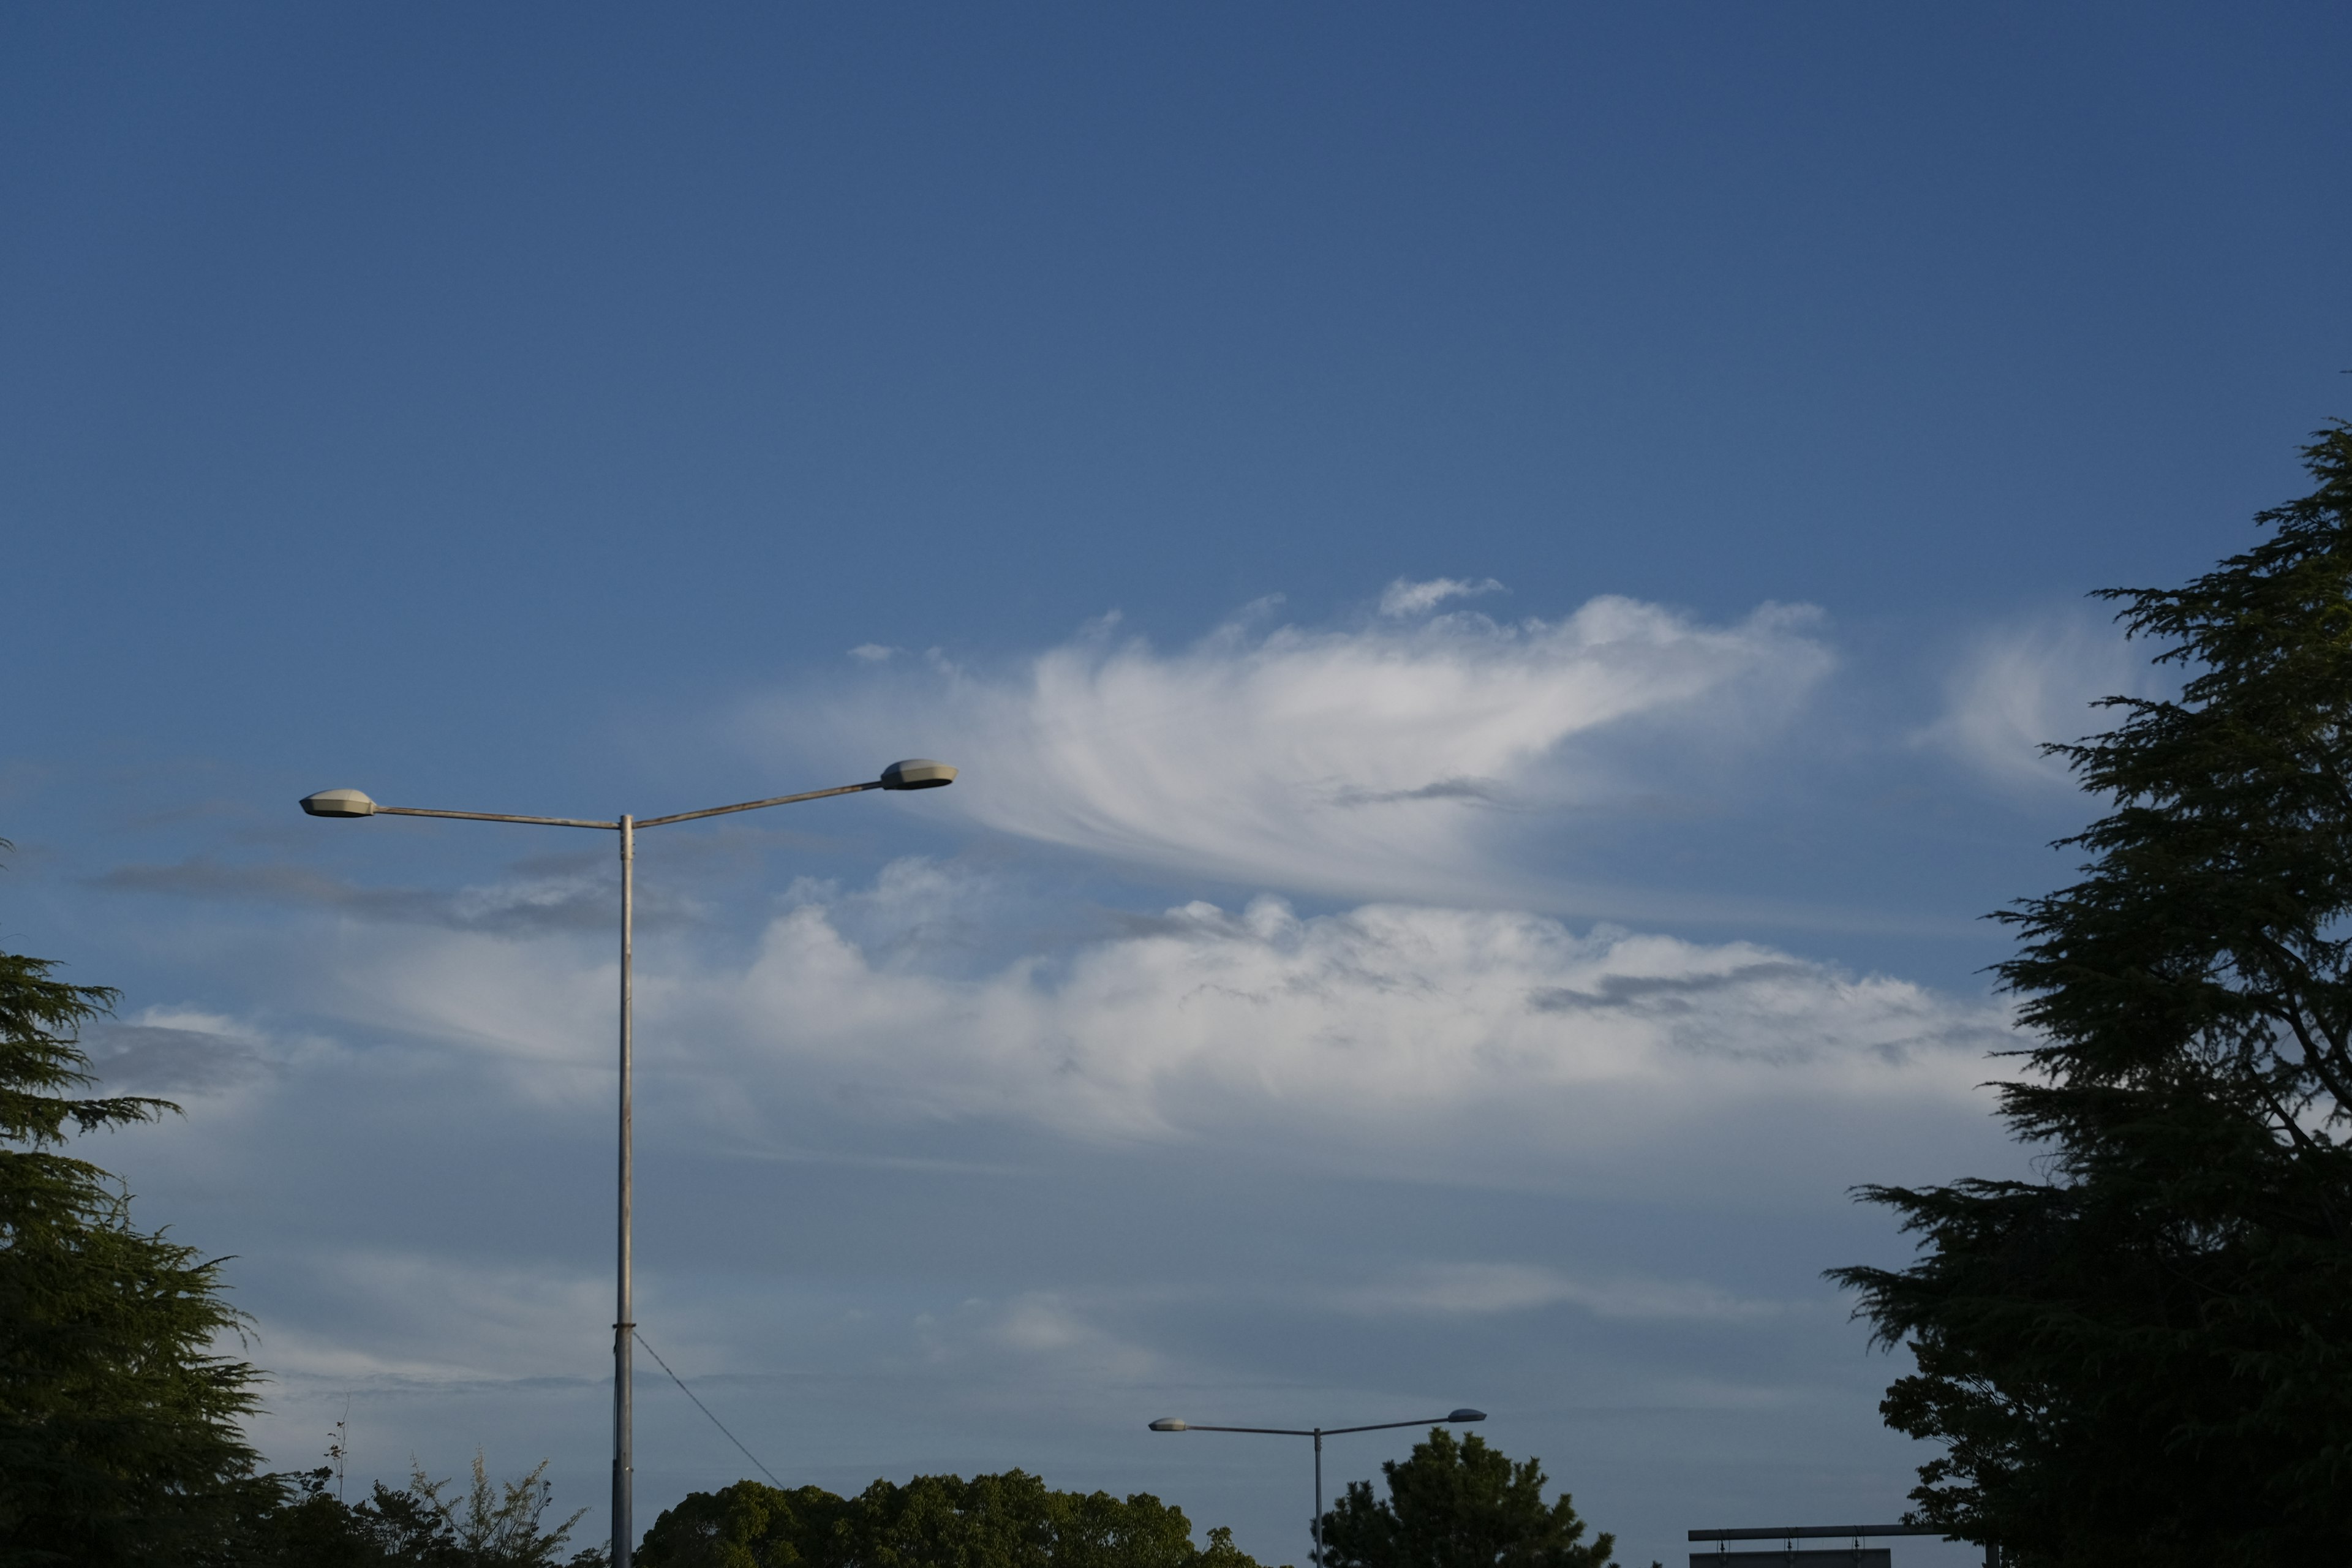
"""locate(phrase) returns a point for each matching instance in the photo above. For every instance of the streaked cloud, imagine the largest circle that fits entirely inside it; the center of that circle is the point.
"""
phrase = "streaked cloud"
(173, 1051)
(576, 895)
(1380, 760)
(2020, 687)
(1481, 1290)
(520, 1320)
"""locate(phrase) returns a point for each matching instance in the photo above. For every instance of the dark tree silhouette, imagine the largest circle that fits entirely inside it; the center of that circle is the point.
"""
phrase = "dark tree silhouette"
(1459, 1504)
(119, 1435)
(2146, 1357)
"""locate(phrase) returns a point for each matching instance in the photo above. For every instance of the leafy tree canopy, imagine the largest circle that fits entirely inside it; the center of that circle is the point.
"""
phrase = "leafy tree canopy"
(1009, 1521)
(1459, 1504)
(2145, 1358)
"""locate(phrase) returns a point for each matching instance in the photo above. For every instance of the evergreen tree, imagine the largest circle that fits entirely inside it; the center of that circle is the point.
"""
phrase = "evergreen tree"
(119, 1436)
(2145, 1358)
(1459, 1504)
(119, 1442)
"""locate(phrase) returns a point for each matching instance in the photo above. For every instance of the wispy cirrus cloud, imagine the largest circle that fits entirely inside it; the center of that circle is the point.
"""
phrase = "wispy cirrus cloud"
(2024, 686)
(1380, 760)
(575, 898)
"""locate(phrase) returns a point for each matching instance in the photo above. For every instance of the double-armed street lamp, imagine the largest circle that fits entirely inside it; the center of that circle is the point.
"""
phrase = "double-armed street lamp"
(916, 773)
(1170, 1424)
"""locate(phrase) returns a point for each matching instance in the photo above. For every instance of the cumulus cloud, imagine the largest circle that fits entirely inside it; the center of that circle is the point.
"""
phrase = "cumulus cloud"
(1352, 1025)
(2022, 687)
(1445, 1034)
(1370, 761)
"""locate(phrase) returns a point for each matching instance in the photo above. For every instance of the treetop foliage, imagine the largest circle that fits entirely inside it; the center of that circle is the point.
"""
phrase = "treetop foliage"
(40, 1054)
(427, 1524)
(1008, 1521)
(1458, 1503)
(2206, 946)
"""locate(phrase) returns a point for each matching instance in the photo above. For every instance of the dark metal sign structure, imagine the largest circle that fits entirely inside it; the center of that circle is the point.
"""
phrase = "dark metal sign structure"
(1791, 1555)
(1854, 1556)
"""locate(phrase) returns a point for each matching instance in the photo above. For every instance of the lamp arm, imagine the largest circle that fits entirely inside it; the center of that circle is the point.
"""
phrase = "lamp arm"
(1384, 1426)
(641, 821)
(1271, 1431)
(493, 816)
(756, 805)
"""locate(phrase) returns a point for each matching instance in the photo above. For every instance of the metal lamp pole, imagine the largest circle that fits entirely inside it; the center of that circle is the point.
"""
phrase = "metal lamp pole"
(1170, 1424)
(916, 773)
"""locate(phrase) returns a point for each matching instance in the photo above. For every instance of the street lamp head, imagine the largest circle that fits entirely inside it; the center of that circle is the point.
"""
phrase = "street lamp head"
(1466, 1414)
(339, 803)
(1169, 1424)
(918, 772)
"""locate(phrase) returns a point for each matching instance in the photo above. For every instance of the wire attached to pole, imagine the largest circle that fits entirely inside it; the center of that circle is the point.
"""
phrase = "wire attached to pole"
(705, 1409)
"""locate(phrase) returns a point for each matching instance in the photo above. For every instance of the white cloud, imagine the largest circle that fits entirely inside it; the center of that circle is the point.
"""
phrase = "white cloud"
(1378, 760)
(404, 1301)
(1383, 1023)
(1405, 598)
(1450, 1041)
(1051, 1328)
(497, 997)
(873, 653)
(2022, 687)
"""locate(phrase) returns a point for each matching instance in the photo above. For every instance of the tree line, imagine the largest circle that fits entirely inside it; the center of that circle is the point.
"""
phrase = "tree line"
(1451, 1505)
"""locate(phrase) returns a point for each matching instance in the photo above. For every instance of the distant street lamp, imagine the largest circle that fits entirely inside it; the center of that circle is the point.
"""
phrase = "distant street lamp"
(916, 773)
(1170, 1424)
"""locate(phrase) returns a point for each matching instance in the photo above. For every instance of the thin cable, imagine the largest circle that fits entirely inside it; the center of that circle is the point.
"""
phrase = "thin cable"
(705, 1409)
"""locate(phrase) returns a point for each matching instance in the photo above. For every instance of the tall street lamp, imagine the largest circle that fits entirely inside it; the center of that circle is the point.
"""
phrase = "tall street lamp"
(916, 773)
(1170, 1424)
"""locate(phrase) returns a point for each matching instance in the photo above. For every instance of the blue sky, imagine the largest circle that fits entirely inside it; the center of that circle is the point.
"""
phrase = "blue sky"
(1495, 572)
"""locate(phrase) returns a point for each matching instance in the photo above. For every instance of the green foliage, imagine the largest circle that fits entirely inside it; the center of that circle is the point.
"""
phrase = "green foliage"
(119, 1436)
(303, 1527)
(1009, 1521)
(494, 1525)
(2146, 1357)
(1459, 1504)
